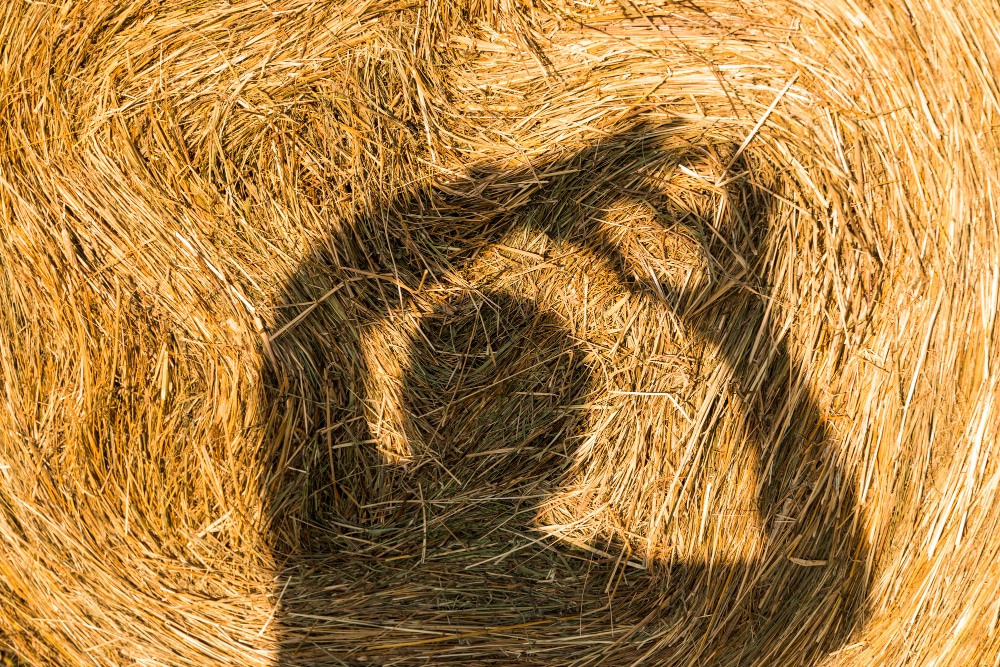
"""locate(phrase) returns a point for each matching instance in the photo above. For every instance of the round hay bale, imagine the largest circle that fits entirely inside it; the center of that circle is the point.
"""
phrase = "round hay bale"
(498, 333)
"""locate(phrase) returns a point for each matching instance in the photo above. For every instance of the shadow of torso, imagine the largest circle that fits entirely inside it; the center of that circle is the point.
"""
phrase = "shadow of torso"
(428, 420)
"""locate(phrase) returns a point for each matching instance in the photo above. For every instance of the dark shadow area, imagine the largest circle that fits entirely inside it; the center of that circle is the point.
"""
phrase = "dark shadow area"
(432, 558)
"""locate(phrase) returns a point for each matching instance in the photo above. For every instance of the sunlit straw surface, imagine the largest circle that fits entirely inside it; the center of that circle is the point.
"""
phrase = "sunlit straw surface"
(489, 332)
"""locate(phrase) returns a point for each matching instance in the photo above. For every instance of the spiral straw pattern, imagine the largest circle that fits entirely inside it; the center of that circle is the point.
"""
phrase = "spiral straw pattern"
(499, 332)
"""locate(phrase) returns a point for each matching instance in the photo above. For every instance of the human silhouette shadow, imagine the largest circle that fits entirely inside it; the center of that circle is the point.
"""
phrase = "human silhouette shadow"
(425, 552)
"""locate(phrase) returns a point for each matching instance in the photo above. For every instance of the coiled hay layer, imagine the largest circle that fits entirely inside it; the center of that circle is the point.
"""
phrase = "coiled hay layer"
(494, 332)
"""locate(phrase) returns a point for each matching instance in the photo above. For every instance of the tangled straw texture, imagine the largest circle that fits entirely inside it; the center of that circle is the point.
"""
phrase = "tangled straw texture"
(485, 332)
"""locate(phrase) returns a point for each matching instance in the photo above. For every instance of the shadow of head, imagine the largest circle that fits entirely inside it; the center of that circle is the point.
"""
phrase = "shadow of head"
(420, 420)
(493, 390)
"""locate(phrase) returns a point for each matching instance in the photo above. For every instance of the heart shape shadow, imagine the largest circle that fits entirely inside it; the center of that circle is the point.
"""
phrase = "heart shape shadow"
(406, 512)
